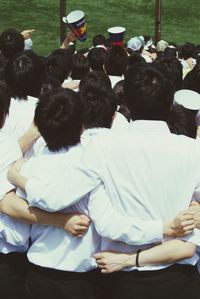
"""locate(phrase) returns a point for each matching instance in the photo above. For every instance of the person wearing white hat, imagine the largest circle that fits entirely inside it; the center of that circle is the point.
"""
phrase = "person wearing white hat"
(187, 98)
(136, 44)
(191, 100)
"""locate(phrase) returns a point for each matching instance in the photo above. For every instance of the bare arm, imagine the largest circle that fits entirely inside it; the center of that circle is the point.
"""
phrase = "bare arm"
(18, 208)
(181, 225)
(166, 253)
(28, 138)
(71, 37)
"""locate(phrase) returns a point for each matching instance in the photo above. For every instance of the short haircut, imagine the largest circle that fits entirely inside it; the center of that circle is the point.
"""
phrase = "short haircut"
(96, 57)
(59, 118)
(25, 75)
(4, 102)
(182, 122)
(98, 39)
(148, 93)
(116, 61)
(59, 64)
(187, 51)
(170, 52)
(172, 68)
(135, 58)
(11, 42)
(80, 66)
(95, 79)
(119, 91)
(99, 107)
(49, 84)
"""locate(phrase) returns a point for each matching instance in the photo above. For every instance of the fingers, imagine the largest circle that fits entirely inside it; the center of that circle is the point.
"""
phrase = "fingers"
(79, 231)
(187, 223)
(31, 30)
(186, 215)
(85, 218)
(194, 203)
(98, 255)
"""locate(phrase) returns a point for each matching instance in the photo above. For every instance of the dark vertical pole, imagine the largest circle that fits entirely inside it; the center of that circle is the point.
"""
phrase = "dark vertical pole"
(158, 21)
(62, 24)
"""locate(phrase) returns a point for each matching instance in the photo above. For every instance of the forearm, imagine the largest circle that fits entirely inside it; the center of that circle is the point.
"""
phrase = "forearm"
(17, 179)
(111, 224)
(18, 208)
(165, 253)
(26, 141)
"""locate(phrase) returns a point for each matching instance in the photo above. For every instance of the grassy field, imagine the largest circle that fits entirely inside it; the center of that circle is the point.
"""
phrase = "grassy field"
(180, 19)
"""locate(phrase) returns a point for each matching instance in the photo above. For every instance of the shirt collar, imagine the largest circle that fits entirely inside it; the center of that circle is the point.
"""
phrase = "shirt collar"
(149, 125)
(94, 131)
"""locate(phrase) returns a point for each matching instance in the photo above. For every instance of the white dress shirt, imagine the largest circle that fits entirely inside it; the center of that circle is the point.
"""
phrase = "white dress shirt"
(52, 247)
(20, 118)
(115, 79)
(147, 172)
(13, 235)
(65, 252)
(120, 122)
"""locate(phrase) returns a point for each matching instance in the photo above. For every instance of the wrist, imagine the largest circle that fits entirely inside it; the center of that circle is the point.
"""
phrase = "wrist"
(169, 229)
(60, 220)
(129, 260)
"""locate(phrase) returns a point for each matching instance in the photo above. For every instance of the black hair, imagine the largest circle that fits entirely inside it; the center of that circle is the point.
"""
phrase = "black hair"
(135, 58)
(80, 66)
(11, 42)
(119, 91)
(192, 78)
(25, 74)
(59, 118)
(170, 52)
(59, 64)
(187, 51)
(96, 57)
(49, 84)
(99, 107)
(182, 122)
(98, 39)
(56, 67)
(116, 61)
(172, 68)
(4, 102)
(97, 79)
(3, 62)
(148, 93)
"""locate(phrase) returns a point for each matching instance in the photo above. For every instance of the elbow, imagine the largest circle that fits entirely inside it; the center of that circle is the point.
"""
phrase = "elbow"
(190, 251)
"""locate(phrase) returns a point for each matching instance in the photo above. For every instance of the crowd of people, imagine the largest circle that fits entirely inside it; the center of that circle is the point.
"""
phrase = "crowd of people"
(99, 176)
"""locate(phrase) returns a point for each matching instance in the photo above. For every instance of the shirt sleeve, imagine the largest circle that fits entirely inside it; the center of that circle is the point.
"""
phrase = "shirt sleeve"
(111, 224)
(13, 232)
(10, 152)
(78, 180)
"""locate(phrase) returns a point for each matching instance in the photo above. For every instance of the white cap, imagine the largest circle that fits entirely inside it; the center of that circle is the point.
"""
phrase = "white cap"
(187, 98)
(134, 44)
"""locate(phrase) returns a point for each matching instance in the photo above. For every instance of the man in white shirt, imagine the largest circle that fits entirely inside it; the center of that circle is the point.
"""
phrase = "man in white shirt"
(147, 171)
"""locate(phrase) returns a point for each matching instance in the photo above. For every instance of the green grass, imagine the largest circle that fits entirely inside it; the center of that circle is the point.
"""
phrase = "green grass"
(180, 19)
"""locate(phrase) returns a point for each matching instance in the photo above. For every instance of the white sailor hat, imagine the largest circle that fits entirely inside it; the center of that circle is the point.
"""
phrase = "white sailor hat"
(187, 98)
